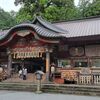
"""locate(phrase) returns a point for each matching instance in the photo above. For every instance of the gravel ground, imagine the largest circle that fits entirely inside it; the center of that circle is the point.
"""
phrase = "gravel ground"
(15, 95)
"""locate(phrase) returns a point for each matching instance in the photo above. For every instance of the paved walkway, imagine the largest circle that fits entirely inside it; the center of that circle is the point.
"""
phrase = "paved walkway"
(31, 78)
(14, 95)
(15, 78)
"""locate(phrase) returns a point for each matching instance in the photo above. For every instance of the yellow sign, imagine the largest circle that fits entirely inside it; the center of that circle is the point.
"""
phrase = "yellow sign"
(28, 52)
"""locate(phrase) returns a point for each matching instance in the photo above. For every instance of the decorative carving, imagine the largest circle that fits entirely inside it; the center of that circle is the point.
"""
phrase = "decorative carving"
(63, 48)
(23, 33)
(76, 51)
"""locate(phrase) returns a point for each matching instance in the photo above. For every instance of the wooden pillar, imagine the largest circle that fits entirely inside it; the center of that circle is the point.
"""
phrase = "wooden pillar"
(88, 61)
(47, 65)
(9, 62)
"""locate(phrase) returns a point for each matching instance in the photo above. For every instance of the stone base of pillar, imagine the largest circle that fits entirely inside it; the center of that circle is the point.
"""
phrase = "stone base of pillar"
(9, 73)
(38, 92)
(47, 77)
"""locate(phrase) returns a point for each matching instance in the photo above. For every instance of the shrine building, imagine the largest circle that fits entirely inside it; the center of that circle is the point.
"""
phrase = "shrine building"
(71, 45)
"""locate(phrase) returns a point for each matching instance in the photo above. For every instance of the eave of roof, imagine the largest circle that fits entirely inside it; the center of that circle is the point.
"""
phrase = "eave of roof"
(48, 25)
(81, 28)
(44, 29)
(70, 29)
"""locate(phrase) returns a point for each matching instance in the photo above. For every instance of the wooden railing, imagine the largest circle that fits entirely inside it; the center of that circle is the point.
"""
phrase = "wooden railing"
(86, 78)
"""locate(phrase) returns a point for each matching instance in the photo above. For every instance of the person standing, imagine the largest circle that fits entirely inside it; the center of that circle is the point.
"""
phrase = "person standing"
(20, 73)
(52, 71)
(24, 73)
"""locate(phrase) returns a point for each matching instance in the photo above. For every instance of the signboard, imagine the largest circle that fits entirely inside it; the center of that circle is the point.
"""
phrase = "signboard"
(92, 50)
(76, 51)
(28, 52)
(85, 71)
(28, 47)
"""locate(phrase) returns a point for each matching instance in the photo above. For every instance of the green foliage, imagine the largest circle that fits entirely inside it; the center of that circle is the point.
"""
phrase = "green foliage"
(59, 13)
(6, 20)
(88, 8)
(52, 10)
(23, 15)
(93, 9)
(63, 3)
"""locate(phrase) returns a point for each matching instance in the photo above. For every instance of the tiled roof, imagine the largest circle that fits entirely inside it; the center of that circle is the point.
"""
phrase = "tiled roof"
(44, 29)
(48, 25)
(40, 30)
(70, 29)
(81, 28)
(3, 33)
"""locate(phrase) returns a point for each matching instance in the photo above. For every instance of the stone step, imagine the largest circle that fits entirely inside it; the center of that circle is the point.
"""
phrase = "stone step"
(54, 88)
(71, 88)
(21, 87)
(83, 90)
(72, 92)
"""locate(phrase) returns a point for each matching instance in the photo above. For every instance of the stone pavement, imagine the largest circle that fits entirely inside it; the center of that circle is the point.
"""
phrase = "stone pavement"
(31, 78)
(15, 95)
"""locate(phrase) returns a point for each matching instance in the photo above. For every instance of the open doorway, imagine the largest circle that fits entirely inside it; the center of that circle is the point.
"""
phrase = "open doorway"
(32, 64)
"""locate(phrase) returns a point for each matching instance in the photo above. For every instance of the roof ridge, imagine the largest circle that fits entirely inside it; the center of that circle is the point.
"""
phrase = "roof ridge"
(80, 19)
(48, 25)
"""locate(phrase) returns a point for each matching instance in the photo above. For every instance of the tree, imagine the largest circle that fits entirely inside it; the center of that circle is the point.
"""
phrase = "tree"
(83, 5)
(88, 8)
(52, 10)
(6, 20)
(93, 9)
(60, 13)
(23, 15)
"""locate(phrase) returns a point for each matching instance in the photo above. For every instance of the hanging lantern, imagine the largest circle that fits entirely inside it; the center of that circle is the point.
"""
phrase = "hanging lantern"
(18, 56)
(35, 54)
(25, 56)
(40, 54)
(14, 55)
(22, 54)
(29, 55)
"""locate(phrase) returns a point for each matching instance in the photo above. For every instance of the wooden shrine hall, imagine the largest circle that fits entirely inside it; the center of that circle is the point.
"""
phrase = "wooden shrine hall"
(30, 45)
(74, 47)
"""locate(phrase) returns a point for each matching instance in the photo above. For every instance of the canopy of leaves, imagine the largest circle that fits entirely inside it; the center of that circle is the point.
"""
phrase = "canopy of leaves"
(6, 20)
(23, 15)
(59, 13)
(52, 10)
(93, 9)
(88, 8)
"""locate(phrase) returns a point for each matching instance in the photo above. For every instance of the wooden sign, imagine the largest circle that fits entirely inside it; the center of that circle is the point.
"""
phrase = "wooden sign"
(92, 50)
(76, 51)
(28, 52)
